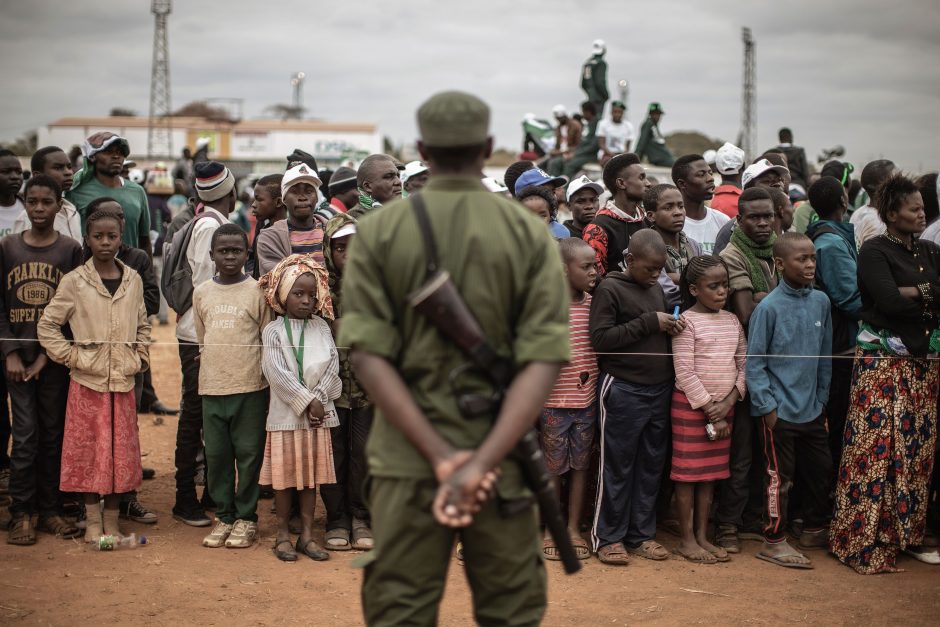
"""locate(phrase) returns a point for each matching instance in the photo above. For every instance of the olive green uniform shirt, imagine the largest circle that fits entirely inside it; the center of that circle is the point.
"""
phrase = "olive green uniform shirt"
(508, 270)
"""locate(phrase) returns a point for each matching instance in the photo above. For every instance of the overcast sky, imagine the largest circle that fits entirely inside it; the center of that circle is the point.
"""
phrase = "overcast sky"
(859, 73)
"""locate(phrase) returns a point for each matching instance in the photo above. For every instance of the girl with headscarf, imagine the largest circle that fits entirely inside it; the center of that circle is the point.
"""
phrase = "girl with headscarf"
(301, 364)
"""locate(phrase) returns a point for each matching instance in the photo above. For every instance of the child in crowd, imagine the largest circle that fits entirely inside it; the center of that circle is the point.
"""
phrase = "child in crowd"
(709, 361)
(32, 264)
(268, 208)
(300, 233)
(301, 364)
(543, 203)
(346, 510)
(630, 325)
(666, 212)
(788, 395)
(230, 313)
(102, 302)
(570, 414)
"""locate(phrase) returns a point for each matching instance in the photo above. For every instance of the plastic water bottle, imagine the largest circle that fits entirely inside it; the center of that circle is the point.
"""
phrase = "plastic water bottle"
(115, 543)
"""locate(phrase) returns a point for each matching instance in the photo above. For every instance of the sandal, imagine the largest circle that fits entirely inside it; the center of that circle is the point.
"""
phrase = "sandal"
(22, 531)
(810, 540)
(337, 539)
(316, 553)
(727, 538)
(285, 556)
(362, 535)
(780, 559)
(701, 556)
(581, 548)
(720, 554)
(59, 527)
(614, 554)
(651, 550)
(549, 550)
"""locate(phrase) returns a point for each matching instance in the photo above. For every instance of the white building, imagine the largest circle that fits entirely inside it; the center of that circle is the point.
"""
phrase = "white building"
(253, 143)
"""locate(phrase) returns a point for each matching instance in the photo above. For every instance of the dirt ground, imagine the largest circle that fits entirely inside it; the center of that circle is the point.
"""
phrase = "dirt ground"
(174, 580)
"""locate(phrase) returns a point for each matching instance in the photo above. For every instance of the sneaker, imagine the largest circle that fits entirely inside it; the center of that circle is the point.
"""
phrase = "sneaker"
(5, 481)
(927, 555)
(243, 535)
(218, 536)
(194, 517)
(133, 510)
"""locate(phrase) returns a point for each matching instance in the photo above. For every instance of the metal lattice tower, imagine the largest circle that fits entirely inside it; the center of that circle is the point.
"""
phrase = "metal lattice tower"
(749, 96)
(159, 131)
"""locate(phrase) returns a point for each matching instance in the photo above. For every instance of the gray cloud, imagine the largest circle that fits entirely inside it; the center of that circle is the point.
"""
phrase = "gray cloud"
(858, 73)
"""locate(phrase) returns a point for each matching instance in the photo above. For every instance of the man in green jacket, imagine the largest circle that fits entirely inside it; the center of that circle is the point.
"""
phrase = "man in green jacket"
(594, 77)
(651, 144)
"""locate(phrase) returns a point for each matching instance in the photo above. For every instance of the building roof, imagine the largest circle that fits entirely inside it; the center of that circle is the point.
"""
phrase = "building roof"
(248, 126)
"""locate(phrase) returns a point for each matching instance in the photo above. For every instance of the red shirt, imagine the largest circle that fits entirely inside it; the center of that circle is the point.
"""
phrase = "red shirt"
(337, 204)
(725, 200)
(569, 391)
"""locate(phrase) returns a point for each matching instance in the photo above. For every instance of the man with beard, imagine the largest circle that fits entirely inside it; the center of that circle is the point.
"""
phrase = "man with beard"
(379, 183)
(693, 176)
(100, 175)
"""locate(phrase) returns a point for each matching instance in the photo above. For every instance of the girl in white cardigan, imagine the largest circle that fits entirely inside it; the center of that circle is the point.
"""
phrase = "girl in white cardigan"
(301, 365)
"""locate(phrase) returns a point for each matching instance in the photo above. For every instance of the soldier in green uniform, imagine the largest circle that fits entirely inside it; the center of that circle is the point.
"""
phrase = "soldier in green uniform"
(651, 144)
(594, 77)
(431, 469)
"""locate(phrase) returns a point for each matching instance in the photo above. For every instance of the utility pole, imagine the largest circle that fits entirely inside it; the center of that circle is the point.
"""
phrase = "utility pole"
(159, 130)
(624, 90)
(297, 93)
(749, 96)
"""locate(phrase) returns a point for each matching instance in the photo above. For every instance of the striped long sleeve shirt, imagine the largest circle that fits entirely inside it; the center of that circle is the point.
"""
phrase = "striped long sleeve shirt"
(576, 386)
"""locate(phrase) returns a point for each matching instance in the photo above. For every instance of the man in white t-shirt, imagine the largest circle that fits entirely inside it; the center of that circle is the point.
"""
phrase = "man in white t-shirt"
(693, 176)
(615, 134)
(11, 179)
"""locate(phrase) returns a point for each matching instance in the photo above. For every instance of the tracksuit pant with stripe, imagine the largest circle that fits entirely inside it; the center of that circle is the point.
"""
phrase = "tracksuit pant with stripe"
(635, 429)
(789, 450)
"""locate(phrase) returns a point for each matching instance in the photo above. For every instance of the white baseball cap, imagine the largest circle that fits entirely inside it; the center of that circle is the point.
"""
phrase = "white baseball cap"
(760, 168)
(580, 183)
(559, 110)
(413, 168)
(598, 46)
(729, 159)
(347, 229)
(709, 156)
(300, 173)
(494, 185)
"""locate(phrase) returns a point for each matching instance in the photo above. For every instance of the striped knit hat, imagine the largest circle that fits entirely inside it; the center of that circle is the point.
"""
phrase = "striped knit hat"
(213, 181)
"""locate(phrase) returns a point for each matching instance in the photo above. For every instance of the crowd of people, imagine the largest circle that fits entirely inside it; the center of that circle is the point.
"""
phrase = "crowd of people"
(752, 361)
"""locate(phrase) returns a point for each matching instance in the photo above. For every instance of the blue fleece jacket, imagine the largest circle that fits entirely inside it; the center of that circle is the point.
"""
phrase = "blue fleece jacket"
(837, 266)
(789, 321)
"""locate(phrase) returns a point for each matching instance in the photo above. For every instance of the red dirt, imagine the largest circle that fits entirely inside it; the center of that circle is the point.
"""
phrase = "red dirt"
(174, 580)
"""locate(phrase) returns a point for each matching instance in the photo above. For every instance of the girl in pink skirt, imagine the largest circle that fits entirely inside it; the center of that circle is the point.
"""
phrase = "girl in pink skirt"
(102, 301)
(301, 364)
(709, 361)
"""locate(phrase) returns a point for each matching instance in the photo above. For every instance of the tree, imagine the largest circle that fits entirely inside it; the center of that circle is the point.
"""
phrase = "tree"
(25, 145)
(286, 111)
(691, 143)
(122, 112)
(201, 109)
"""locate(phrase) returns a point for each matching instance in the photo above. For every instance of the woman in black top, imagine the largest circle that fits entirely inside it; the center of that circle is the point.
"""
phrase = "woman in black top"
(891, 430)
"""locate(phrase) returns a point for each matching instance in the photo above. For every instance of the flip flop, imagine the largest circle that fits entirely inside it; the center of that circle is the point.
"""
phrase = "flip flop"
(613, 554)
(778, 560)
(720, 554)
(703, 557)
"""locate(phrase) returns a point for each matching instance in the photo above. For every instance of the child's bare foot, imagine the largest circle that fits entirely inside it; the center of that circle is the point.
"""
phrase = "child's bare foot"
(720, 554)
(782, 554)
(694, 553)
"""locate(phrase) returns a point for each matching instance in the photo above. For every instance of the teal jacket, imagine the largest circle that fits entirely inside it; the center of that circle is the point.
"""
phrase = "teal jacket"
(793, 322)
(837, 277)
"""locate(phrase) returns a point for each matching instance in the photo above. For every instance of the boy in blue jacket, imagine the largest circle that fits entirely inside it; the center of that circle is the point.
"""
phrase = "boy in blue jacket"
(789, 389)
(837, 277)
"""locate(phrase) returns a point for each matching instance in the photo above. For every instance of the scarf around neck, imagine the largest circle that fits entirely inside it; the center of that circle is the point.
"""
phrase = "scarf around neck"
(367, 201)
(752, 252)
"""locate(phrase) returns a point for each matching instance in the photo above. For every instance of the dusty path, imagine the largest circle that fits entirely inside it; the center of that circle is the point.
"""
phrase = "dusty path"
(176, 581)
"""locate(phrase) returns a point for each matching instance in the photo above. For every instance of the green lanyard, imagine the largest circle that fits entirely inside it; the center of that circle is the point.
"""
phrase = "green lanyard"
(298, 350)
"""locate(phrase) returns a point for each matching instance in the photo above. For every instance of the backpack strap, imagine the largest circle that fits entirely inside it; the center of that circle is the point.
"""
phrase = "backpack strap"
(821, 231)
(427, 235)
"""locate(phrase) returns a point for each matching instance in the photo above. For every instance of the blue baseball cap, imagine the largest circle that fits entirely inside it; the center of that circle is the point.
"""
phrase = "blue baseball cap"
(538, 176)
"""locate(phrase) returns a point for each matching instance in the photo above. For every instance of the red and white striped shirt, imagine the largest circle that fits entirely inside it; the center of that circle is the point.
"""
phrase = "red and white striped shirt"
(576, 386)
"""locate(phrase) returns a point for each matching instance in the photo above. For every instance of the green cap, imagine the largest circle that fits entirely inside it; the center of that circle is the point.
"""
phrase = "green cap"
(655, 107)
(453, 118)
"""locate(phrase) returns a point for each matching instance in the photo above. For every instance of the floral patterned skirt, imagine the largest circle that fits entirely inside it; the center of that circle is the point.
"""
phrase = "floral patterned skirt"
(884, 476)
(101, 446)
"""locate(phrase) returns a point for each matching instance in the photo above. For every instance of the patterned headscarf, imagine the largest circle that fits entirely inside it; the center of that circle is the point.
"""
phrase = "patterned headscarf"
(96, 143)
(277, 283)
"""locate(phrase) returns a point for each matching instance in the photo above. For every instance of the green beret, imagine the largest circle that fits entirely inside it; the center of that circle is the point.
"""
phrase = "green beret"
(453, 118)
